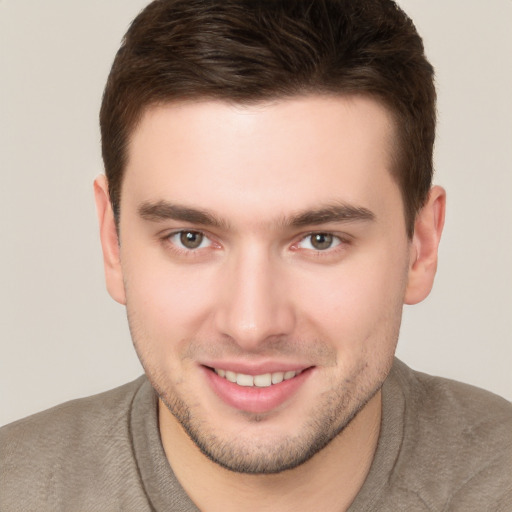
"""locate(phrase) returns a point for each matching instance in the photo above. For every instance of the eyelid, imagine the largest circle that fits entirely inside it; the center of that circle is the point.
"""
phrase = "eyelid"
(168, 236)
(204, 241)
(341, 238)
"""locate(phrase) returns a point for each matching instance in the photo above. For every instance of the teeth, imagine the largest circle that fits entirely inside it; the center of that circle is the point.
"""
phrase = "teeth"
(244, 380)
(231, 376)
(277, 377)
(260, 381)
(263, 381)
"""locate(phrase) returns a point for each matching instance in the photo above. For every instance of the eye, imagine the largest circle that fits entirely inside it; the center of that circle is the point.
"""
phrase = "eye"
(190, 240)
(319, 241)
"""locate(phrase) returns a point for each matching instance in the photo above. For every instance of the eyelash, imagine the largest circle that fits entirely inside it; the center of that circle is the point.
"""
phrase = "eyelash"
(175, 245)
(340, 243)
(335, 239)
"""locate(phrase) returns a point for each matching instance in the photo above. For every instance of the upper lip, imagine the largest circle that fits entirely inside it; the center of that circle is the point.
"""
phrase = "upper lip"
(257, 368)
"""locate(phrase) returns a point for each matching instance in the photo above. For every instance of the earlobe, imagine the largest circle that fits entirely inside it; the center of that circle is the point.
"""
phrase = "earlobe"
(109, 241)
(424, 246)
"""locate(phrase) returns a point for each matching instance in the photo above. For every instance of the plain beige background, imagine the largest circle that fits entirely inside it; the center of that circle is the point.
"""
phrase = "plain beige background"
(62, 335)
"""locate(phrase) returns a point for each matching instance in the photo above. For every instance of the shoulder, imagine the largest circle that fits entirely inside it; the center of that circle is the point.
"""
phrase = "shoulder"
(447, 388)
(98, 414)
(458, 440)
(454, 406)
(69, 447)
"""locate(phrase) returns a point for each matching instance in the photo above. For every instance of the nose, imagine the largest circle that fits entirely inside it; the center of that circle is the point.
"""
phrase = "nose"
(255, 305)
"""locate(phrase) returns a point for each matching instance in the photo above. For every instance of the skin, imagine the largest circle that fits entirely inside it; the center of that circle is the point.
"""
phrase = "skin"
(259, 292)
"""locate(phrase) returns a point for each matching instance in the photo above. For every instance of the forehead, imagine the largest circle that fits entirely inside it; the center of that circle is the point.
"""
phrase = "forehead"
(266, 158)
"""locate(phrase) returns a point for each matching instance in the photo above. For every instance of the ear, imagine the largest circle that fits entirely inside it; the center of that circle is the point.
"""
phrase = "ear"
(423, 256)
(109, 241)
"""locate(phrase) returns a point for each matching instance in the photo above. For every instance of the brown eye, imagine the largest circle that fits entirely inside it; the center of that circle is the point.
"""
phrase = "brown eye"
(191, 239)
(321, 241)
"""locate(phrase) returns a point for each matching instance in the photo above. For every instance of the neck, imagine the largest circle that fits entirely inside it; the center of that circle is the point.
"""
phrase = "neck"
(329, 481)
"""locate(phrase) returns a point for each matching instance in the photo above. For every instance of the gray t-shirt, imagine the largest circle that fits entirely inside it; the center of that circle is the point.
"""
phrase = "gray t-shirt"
(443, 446)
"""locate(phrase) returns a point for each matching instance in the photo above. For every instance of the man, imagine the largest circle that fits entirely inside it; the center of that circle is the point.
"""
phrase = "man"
(266, 212)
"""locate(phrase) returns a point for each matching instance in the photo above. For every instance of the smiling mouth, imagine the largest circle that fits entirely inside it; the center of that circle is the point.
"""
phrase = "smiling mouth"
(263, 380)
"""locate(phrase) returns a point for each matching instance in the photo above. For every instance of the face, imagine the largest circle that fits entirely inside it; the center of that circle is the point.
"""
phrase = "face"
(264, 261)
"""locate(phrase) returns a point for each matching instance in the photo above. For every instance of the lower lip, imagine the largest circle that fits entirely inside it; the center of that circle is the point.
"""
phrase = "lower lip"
(254, 399)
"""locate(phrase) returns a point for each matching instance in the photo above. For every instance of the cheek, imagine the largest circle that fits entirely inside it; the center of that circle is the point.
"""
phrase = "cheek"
(170, 304)
(357, 304)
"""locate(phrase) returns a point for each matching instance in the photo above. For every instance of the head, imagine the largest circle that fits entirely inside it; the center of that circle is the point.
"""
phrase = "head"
(267, 211)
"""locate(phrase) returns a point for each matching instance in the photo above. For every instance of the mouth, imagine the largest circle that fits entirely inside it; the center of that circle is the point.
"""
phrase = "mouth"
(263, 380)
(257, 392)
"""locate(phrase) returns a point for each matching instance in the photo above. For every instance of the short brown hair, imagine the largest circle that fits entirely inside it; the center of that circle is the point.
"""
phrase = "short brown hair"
(252, 50)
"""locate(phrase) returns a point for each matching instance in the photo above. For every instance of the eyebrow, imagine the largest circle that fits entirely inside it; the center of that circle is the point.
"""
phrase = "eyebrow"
(164, 210)
(332, 213)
